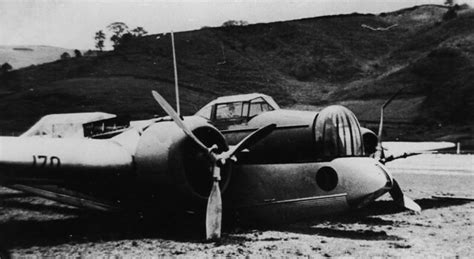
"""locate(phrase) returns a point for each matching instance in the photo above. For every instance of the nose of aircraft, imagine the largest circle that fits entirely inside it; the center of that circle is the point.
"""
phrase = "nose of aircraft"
(363, 179)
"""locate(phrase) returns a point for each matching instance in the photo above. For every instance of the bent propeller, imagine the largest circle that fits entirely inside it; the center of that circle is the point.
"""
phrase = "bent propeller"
(403, 200)
(396, 192)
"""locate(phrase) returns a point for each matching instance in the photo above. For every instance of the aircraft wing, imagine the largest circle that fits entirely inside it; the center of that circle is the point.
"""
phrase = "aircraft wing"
(51, 159)
(57, 154)
(401, 149)
(36, 164)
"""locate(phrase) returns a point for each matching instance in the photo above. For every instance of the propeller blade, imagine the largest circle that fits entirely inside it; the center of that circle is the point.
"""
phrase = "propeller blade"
(380, 150)
(403, 200)
(214, 209)
(171, 112)
(214, 203)
(250, 140)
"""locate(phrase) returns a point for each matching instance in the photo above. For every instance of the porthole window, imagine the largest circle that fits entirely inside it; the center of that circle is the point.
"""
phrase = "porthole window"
(326, 178)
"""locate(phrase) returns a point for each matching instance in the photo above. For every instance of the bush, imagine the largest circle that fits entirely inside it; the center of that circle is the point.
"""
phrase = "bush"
(5, 68)
(77, 53)
(450, 14)
(231, 23)
(65, 56)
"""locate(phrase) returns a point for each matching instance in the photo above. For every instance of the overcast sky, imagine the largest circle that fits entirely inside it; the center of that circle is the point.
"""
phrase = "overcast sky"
(72, 23)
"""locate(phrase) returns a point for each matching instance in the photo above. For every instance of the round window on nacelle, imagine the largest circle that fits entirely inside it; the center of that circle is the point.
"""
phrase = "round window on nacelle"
(337, 133)
(326, 178)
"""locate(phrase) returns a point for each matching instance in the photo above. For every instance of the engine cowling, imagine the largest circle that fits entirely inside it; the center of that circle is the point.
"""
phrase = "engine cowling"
(174, 166)
(304, 136)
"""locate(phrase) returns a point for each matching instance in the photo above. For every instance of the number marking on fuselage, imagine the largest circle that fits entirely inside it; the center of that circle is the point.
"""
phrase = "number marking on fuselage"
(43, 161)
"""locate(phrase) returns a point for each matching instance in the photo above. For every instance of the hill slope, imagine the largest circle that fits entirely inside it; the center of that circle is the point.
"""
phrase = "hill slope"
(23, 56)
(358, 60)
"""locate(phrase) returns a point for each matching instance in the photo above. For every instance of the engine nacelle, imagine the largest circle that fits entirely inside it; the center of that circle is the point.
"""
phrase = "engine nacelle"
(174, 166)
(303, 136)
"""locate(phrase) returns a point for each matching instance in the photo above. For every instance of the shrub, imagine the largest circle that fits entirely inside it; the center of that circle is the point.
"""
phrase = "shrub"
(450, 14)
(231, 23)
(65, 56)
(77, 53)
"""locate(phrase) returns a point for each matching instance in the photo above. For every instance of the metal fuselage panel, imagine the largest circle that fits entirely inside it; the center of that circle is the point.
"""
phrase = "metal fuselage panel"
(273, 193)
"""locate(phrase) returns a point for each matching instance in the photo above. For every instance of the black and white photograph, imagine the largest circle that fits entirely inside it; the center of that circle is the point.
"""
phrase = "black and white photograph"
(236, 128)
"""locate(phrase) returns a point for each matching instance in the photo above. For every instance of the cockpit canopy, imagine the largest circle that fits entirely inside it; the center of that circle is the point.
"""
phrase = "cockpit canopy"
(66, 125)
(337, 133)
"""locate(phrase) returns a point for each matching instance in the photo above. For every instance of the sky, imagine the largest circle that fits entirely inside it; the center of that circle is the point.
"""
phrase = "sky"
(73, 23)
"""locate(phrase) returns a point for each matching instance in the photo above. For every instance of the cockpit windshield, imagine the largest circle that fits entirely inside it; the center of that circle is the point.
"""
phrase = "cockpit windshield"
(237, 107)
(229, 110)
(258, 106)
(338, 133)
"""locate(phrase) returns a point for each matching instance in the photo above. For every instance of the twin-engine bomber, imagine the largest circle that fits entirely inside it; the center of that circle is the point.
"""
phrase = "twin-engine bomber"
(239, 157)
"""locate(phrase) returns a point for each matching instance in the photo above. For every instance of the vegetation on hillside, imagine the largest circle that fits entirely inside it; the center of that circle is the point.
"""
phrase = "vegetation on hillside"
(312, 61)
(121, 35)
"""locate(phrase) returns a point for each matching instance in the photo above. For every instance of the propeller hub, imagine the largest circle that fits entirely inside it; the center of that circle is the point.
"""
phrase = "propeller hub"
(199, 163)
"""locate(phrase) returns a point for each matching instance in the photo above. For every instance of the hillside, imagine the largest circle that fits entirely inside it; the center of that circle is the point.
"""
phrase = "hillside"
(23, 56)
(358, 60)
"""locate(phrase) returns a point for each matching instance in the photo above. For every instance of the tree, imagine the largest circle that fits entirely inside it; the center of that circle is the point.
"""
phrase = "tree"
(118, 29)
(99, 40)
(124, 40)
(77, 53)
(65, 56)
(231, 23)
(449, 2)
(138, 32)
(90, 53)
(5, 68)
(450, 14)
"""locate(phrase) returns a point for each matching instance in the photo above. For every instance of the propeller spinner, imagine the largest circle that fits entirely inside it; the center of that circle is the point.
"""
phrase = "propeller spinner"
(214, 203)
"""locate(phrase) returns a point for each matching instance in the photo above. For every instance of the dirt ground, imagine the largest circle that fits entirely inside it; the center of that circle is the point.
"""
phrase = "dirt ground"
(31, 226)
